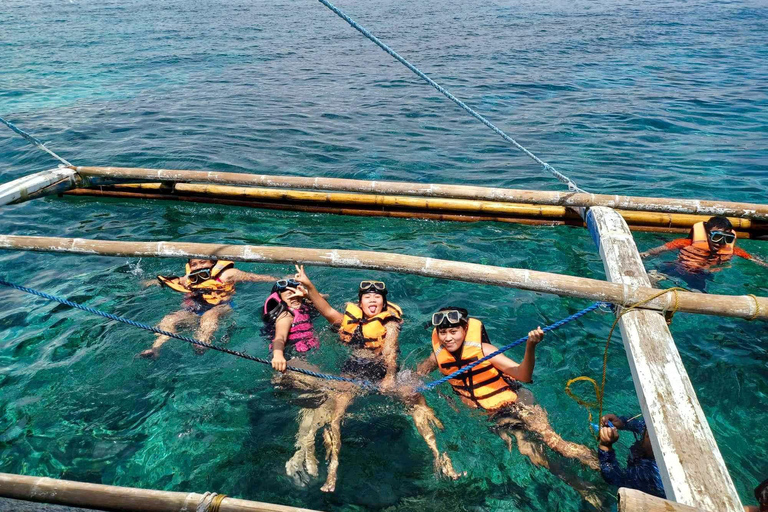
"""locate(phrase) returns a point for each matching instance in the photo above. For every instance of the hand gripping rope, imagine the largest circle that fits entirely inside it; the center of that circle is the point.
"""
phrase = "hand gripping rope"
(362, 383)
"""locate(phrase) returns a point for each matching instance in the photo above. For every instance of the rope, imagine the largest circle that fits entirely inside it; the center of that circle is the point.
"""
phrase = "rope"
(243, 355)
(600, 390)
(557, 174)
(757, 307)
(552, 327)
(34, 140)
(362, 383)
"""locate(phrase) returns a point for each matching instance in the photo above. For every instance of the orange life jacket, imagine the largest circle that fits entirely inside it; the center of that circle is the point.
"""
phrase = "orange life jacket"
(212, 291)
(483, 386)
(371, 331)
(698, 255)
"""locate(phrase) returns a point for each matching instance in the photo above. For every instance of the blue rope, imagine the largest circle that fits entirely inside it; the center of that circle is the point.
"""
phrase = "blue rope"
(560, 176)
(362, 383)
(552, 327)
(193, 341)
(34, 140)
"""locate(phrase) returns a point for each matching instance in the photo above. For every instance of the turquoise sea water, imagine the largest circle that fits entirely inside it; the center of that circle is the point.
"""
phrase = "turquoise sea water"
(655, 98)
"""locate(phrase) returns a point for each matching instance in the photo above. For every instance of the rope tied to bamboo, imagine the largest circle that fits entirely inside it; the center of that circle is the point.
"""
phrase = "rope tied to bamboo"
(210, 502)
(600, 389)
(757, 307)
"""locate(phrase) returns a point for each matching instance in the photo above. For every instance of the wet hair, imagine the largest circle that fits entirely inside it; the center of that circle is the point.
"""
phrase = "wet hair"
(761, 493)
(721, 223)
(464, 321)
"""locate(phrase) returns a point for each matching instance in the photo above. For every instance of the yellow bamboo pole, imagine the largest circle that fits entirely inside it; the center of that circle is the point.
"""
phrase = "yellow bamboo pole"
(749, 307)
(478, 210)
(105, 175)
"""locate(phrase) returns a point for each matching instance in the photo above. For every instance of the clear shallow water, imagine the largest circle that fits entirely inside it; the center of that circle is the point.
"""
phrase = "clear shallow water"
(658, 99)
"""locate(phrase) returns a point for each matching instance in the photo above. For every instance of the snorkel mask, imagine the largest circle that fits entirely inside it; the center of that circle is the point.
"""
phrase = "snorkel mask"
(450, 318)
(373, 287)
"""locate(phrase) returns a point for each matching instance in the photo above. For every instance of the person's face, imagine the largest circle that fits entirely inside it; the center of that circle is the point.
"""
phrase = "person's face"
(196, 264)
(372, 304)
(716, 246)
(293, 302)
(452, 337)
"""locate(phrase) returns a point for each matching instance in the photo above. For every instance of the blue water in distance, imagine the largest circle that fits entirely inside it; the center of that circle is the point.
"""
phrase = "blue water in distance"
(656, 98)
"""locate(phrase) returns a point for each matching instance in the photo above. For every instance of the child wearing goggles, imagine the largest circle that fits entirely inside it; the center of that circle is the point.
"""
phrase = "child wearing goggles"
(208, 287)
(370, 326)
(493, 386)
(708, 245)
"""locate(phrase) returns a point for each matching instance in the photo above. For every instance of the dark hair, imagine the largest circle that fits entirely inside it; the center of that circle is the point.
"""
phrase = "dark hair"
(718, 223)
(761, 493)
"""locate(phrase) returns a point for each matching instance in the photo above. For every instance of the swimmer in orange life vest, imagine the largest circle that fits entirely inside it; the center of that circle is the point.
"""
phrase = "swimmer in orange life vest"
(458, 340)
(208, 287)
(708, 244)
(371, 326)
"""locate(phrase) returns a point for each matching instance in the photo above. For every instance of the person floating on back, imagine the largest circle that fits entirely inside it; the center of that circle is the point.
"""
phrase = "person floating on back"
(641, 472)
(287, 317)
(493, 386)
(208, 287)
(371, 327)
(708, 245)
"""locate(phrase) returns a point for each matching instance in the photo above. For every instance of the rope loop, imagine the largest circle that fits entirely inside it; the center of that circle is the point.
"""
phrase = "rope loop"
(757, 307)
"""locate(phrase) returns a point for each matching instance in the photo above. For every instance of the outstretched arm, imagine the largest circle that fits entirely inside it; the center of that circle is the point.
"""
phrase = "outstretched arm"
(738, 251)
(317, 298)
(234, 275)
(282, 329)
(669, 246)
(522, 372)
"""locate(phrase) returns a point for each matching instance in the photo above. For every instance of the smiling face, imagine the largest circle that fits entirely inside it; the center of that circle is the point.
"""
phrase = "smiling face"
(293, 302)
(452, 337)
(372, 304)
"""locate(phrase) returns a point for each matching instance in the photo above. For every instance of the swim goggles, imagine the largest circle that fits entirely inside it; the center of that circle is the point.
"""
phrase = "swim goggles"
(722, 237)
(373, 286)
(283, 284)
(452, 316)
(200, 275)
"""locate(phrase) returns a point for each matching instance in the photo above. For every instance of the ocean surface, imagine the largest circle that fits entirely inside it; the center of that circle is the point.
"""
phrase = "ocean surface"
(655, 98)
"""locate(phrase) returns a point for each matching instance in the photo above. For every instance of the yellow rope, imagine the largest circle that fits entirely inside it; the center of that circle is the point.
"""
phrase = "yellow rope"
(757, 307)
(600, 390)
(216, 502)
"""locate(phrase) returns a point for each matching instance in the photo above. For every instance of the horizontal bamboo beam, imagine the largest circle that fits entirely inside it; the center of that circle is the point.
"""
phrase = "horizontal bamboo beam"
(545, 282)
(113, 498)
(632, 500)
(403, 206)
(105, 175)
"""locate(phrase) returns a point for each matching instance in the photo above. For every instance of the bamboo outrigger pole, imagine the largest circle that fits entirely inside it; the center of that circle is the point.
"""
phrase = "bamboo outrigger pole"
(108, 175)
(749, 307)
(126, 499)
(403, 206)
